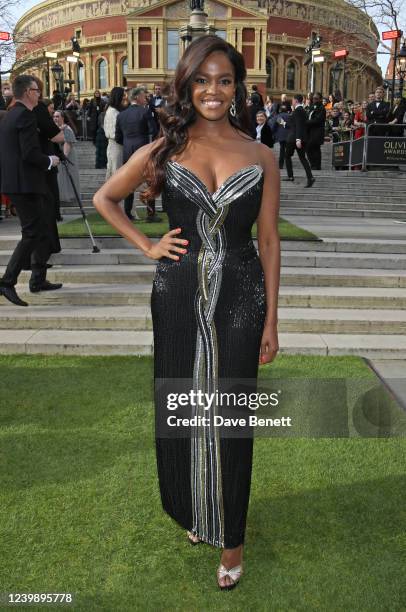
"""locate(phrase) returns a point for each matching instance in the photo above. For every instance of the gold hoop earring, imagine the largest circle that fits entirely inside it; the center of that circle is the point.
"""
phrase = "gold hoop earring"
(233, 108)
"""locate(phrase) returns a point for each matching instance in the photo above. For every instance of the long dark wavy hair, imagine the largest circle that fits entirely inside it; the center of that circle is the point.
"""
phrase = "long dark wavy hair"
(116, 98)
(180, 114)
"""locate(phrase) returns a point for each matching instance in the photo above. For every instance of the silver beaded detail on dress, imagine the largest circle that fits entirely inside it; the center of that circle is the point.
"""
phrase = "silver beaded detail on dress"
(207, 496)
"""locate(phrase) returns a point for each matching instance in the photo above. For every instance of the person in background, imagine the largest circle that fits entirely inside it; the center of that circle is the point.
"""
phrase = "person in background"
(333, 123)
(341, 107)
(360, 119)
(308, 102)
(4, 200)
(280, 132)
(270, 109)
(84, 118)
(72, 107)
(53, 173)
(66, 191)
(157, 98)
(135, 127)
(71, 103)
(156, 102)
(378, 112)
(49, 137)
(315, 128)
(101, 143)
(256, 97)
(345, 127)
(285, 102)
(57, 99)
(264, 132)
(255, 103)
(114, 150)
(296, 141)
(23, 178)
(330, 102)
(95, 108)
(397, 116)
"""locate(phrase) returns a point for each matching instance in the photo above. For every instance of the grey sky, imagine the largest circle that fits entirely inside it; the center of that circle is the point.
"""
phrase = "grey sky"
(25, 6)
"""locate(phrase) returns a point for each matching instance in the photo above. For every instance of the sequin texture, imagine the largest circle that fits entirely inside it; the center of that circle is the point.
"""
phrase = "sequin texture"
(214, 298)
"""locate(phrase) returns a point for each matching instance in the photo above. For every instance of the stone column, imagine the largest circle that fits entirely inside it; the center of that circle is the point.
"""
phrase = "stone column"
(280, 83)
(130, 49)
(264, 42)
(88, 74)
(136, 60)
(112, 69)
(239, 40)
(93, 76)
(153, 41)
(161, 49)
(256, 50)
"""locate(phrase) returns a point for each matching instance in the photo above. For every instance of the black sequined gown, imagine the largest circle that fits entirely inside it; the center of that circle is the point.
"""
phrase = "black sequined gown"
(208, 312)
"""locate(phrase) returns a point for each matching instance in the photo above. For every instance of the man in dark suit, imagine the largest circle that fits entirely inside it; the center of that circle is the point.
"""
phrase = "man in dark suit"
(23, 180)
(136, 127)
(155, 103)
(378, 112)
(296, 140)
(315, 128)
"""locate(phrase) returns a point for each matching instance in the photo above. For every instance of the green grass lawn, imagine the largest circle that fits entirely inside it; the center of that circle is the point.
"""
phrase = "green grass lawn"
(71, 229)
(80, 509)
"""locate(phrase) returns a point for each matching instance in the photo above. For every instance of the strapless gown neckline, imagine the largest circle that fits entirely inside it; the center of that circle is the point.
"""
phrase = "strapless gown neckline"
(233, 176)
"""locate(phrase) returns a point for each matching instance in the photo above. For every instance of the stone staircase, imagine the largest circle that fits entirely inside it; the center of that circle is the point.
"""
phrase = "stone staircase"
(338, 296)
(332, 301)
(335, 193)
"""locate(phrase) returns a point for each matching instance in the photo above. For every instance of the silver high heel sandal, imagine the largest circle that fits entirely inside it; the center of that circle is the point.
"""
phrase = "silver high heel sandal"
(193, 539)
(234, 573)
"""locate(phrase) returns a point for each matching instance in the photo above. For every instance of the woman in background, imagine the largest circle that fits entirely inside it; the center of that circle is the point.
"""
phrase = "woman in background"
(66, 193)
(94, 108)
(114, 150)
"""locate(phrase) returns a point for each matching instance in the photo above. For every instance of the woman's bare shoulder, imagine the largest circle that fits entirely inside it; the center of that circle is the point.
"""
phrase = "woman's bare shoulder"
(267, 158)
(143, 153)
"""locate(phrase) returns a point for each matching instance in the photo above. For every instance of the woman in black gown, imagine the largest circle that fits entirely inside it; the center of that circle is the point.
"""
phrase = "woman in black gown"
(214, 303)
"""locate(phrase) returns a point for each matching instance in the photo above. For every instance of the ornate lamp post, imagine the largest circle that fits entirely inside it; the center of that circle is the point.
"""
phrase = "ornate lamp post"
(57, 71)
(336, 72)
(49, 55)
(198, 25)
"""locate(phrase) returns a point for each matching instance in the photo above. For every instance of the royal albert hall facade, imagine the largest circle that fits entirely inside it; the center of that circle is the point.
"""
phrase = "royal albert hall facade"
(132, 42)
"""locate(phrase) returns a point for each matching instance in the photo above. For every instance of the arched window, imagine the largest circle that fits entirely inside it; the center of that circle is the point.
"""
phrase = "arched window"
(291, 76)
(270, 71)
(124, 70)
(82, 83)
(102, 74)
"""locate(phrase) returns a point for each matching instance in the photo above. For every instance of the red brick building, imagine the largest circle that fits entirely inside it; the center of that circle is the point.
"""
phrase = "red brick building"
(138, 41)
